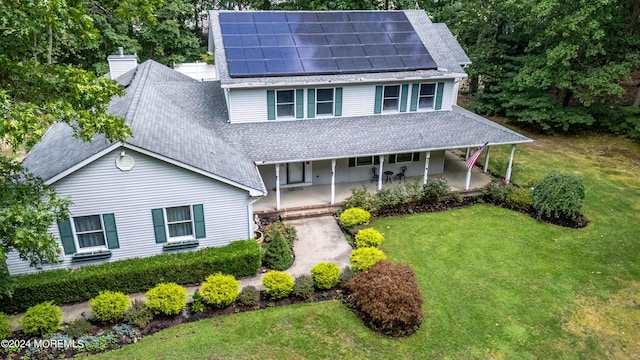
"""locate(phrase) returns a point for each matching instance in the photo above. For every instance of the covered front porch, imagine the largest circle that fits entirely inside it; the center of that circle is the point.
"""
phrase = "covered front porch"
(446, 164)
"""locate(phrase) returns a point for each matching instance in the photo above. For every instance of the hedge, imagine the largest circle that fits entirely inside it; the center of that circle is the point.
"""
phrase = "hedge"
(240, 258)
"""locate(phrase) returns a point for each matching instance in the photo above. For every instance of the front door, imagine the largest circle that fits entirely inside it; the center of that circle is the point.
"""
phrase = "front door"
(295, 173)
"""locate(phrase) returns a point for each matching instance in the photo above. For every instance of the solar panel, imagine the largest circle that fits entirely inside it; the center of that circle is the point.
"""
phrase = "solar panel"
(262, 44)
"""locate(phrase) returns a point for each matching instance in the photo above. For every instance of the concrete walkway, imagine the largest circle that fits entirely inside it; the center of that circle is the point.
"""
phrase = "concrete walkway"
(319, 240)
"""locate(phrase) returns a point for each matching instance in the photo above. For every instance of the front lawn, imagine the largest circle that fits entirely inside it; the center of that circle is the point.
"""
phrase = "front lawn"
(497, 284)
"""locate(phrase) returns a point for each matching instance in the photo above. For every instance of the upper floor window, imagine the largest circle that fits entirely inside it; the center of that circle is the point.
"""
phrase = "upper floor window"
(324, 102)
(427, 96)
(285, 104)
(89, 232)
(391, 98)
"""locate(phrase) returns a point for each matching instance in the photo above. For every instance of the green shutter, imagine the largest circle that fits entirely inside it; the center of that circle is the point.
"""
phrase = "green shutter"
(299, 103)
(271, 105)
(415, 91)
(158, 225)
(66, 236)
(352, 162)
(377, 108)
(311, 103)
(392, 159)
(198, 221)
(109, 221)
(403, 97)
(338, 101)
(416, 156)
(439, 95)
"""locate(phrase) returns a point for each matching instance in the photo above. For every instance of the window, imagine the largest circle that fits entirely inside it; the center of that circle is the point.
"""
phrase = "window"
(406, 157)
(364, 161)
(391, 98)
(324, 102)
(179, 222)
(285, 104)
(427, 96)
(89, 232)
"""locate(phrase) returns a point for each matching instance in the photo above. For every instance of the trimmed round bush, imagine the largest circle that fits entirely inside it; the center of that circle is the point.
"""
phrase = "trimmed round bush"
(249, 296)
(364, 258)
(390, 297)
(78, 328)
(5, 327)
(303, 287)
(325, 275)
(559, 195)
(220, 290)
(41, 319)
(277, 284)
(354, 216)
(109, 306)
(278, 254)
(520, 198)
(138, 314)
(288, 231)
(167, 299)
(369, 237)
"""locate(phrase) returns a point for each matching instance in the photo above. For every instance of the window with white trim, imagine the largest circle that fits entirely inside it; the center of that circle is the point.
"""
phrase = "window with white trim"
(179, 223)
(391, 98)
(89, 232)
(406, 157)
(427, 96)
(285, 104)
(324, 102)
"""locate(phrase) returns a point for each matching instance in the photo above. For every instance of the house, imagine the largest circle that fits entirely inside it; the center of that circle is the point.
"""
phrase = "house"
(302, 99)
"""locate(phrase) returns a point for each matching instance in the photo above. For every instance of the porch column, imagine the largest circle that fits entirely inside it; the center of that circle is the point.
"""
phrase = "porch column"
(486, 161)
(466, 156)
(467, 182)
(508, 177)
(380, 173)
(426, 166)
(333, 181)
(277, 186)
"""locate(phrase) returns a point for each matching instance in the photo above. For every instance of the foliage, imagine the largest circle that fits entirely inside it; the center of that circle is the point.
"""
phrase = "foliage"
(520, 198)
(138, 314)
(361, 198)
(197, 305)
(434, 191)
(389, 295)
(496, 191)
(5, 327)
(249, 296)
(275, 228)
(346, 274)
(220, 290)
(167, 299)
(277, 284)
(278, 255)
(78, 327)
(303, 287)
(364, 258)
(44, 318)
(325, 275)
(109, 306)
(354, 216)
(559, 195)
(369, 237)
(240, 258)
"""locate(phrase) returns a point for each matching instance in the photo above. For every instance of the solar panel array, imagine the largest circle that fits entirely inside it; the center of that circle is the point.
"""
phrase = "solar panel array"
(259, 44)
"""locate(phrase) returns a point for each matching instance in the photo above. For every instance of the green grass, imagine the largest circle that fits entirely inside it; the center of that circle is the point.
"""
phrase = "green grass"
(497, 284)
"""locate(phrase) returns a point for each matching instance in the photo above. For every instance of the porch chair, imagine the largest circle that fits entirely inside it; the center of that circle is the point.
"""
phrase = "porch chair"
(400, 175)
(374, 174)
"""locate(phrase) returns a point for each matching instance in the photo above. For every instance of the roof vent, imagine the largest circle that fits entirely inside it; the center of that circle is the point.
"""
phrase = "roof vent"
(121, 63)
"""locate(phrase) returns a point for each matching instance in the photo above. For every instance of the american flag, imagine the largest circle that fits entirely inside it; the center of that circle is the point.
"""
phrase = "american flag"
(474, 157)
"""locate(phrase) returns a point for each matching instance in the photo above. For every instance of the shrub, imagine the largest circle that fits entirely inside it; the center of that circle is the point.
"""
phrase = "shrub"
(434, 191)
(167, 299)
(520, 198)
(559, 195)
(354, 216)
(369, 237)
(361, 198)
(277, 284)
(197, 305)
(325, 275)
(5, 327)
(240, 258)
(496, 191)
(389, 296)
(278, 254)
(41, 319)
(138, 314)
(78, 328)
(346, 274)
(303, 287)
(288, 231)
(109, 306)
(249, 296)
(362, 259)
(220, 290)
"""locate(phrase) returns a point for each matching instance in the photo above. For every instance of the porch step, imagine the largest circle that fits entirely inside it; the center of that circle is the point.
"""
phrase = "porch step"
(306, 214)
(300, 212)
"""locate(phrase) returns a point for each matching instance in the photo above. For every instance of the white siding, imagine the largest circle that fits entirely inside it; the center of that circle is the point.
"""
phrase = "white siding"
(447, 95)
(100, 188)
(358, 100)
(248, 105)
